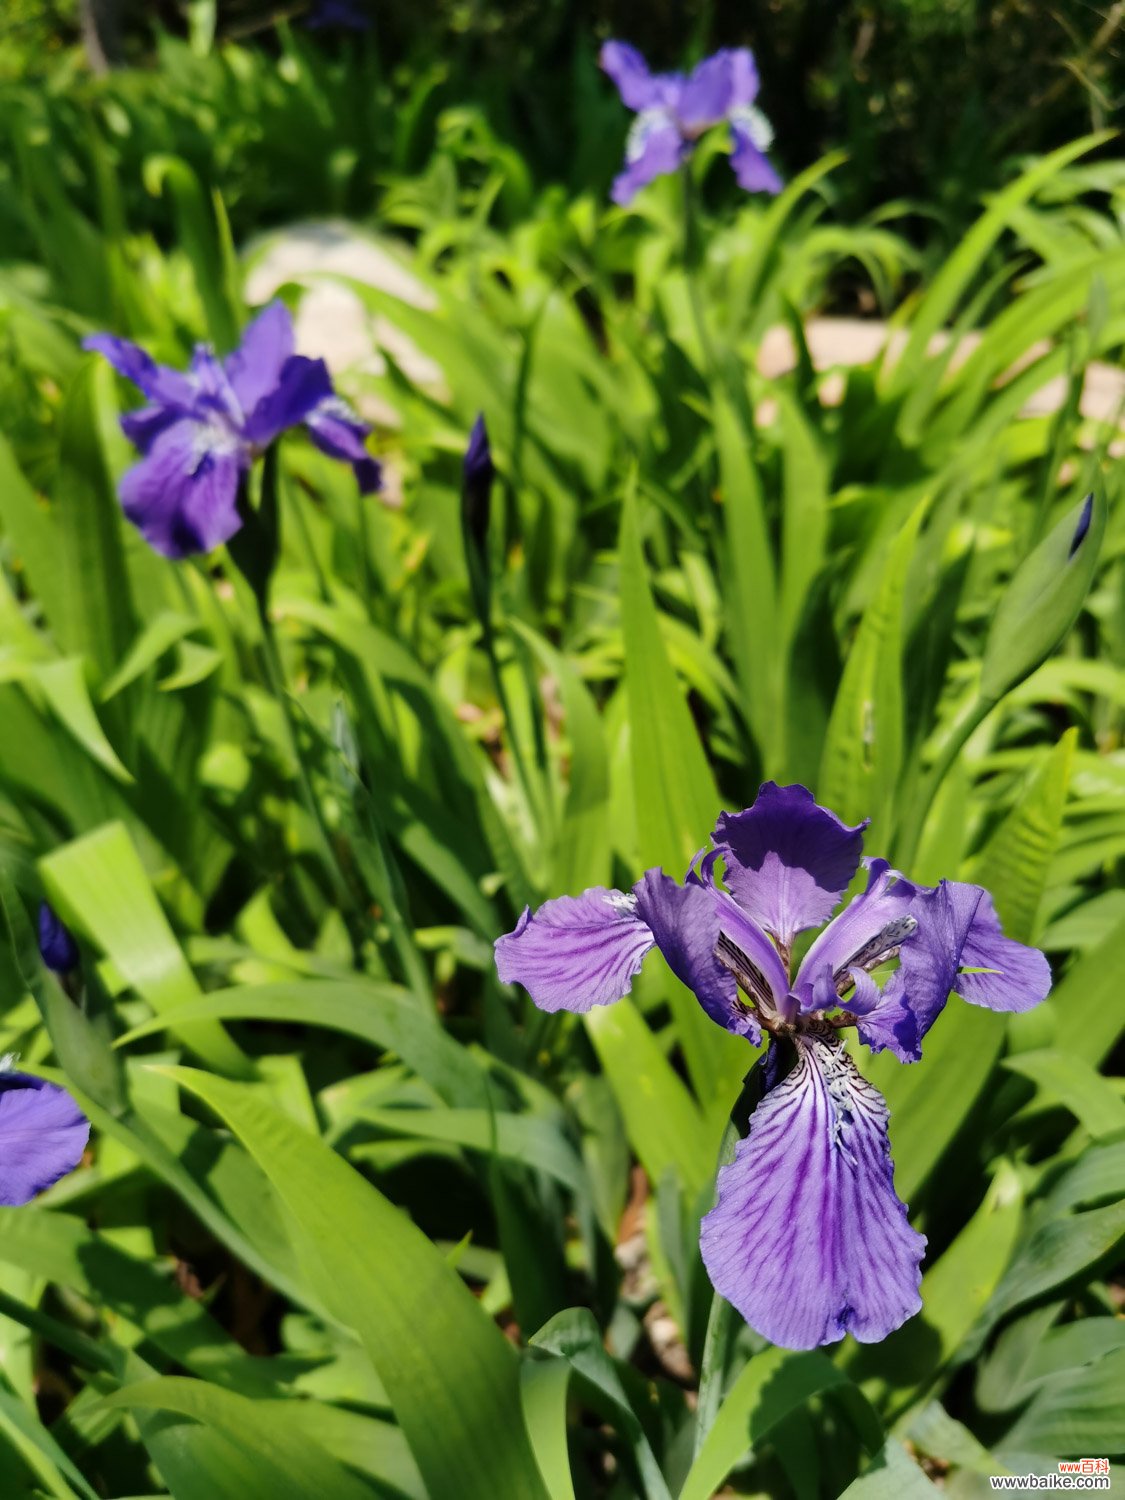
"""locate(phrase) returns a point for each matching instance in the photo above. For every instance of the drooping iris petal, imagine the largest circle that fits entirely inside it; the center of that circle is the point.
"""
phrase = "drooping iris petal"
(57, 947)
(707, 93)
(577, 951)
(255, 367)
(915, 995)
(157, 382)
(684, 921)
(182, 495)
(1019, 976)
(302, 386)
(43, 1134)
(935, 932)
(788, 860)
(809, 1240)
(751, 166)
(638, 88)
(655, 148)
(336, 430)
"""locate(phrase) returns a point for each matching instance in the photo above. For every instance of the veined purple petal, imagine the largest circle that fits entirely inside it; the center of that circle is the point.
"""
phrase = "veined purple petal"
(182, 495)
(684, 921)
(748, 160)
(1019, 976)
(936, 932)
(577, 951)
(638, 88)
(788, 860)
(301, 387)
(43, 1134)
(655, 148)
(336, 430)
(809, 1240)
(254, 368)
(707, 93)
(915, 995)
(159, 383)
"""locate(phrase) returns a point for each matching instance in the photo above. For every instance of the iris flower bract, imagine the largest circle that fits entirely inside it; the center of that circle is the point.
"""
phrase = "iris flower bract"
(808, 1240)
(203, 427)
(674, 110)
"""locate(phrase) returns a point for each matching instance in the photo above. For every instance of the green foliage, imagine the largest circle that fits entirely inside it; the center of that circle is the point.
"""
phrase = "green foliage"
(358, 1220)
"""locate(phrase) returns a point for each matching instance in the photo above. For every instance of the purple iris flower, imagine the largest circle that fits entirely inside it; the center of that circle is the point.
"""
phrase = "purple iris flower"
(57, 947)
(202, 429)
(673, 111)
(808, 1240)
(43, 1134)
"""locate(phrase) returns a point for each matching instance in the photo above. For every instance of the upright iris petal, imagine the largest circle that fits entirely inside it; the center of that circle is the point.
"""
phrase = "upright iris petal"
(808, 1238)
(203, 428)
(673, 111)
(788, 860)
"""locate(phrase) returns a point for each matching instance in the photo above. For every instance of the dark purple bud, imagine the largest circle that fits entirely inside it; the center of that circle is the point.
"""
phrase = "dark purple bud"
(479, 472)
(1083, 525)
(57, 947)
(476, 506)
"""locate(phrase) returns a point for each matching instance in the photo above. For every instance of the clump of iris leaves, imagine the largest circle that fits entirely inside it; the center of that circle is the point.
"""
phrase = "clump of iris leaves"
(356, 1220)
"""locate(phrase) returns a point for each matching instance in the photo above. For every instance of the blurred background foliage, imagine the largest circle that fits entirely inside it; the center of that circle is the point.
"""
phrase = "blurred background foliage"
(933, 98)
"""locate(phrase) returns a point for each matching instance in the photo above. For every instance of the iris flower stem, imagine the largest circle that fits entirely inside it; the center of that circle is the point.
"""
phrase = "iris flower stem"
(692, 260)
(275, 676)
(716, 1341)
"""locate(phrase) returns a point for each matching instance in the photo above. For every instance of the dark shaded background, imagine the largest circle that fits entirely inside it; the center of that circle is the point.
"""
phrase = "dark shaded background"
(932, 98)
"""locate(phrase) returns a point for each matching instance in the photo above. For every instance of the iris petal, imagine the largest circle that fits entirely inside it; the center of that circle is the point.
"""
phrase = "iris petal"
(750, 165)
(254, 368)
(577, 951)
(182, 496)
(707, 93)
(788, 860)
(43, 1134)
(301, 387)
(157, 382)
(809, 1240)
(1019, 976)
(656, 148)
(638, 88)
(684, 921)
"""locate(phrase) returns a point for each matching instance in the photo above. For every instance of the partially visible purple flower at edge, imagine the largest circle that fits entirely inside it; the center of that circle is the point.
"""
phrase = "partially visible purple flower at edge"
(203, 427)
(674, 110)
(808, 1240)
(57, 947)
(43, 1134)
(347, 15)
